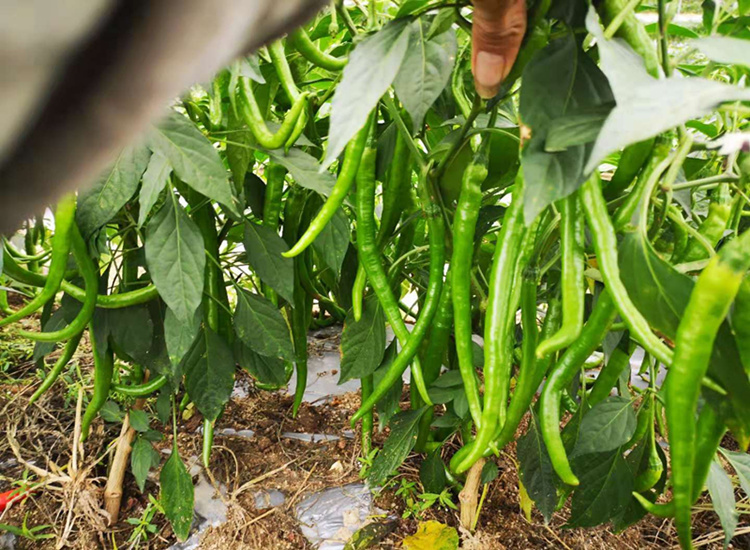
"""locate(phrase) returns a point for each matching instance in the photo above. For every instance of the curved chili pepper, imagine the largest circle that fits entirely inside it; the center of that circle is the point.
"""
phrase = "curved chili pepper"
(65, 215)
(91, 280)
(104, 365)
(632, 160)
(302, 43)
(709, 304)
(344, 182)
(278, 59)
(68, 351)
(573, 282)
(605, 244)
(141, 390)
(251, 113)
(608, 376)
(498, 354)
(567, 367)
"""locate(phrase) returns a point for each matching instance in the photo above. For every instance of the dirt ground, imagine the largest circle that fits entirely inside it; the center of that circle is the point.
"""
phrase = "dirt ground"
(38, 440)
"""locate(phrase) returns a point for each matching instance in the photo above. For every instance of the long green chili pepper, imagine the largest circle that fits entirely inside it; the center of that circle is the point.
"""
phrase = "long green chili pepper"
(633, 32)
(632, 160)
(366, 385)
(284, 72)
(344, 182)
(208, 442)
(608, 376)
(649, 477)
(713, 227)
(65, 215)
(141, 390)
(4, 306)
(464, 227)
(605, 244)
(369, 255)
(251, 113)
(741, 322)
(275, 174)
(302, 43)
(104, 365)
(573, 282)
(709, 304)
(498, 355)
(301, 315)
(22, 257)
(70, 348)
(91, 279)
(563, 372)
(358, 292)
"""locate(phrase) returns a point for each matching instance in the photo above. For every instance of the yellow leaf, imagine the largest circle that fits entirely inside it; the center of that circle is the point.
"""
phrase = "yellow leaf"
(525, 502)
(432, 535)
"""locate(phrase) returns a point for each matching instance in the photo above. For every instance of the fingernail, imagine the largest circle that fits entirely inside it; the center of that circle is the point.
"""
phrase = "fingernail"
(489, 73)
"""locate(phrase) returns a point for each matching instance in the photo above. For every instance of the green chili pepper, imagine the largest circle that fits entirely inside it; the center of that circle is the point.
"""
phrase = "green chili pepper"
(649, 477)
(498, 354)
(713, 227)
(464, 227)
(632, 160)
(633, 32)
(366, 385)
(91, 279)
(605, 244)
(275, 175)
(141, 390)
(284, 72)
(344, 182)
(370, 257)
(67, 354)
(608, 376)
(250, 112)
(302, 43)
(358, 292)
(573, 283)
(104, 364)
(709, 304)
(741, 322)
(64, 220)
(562, 374)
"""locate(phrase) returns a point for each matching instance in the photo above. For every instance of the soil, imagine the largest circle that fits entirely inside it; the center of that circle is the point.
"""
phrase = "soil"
(71, 506)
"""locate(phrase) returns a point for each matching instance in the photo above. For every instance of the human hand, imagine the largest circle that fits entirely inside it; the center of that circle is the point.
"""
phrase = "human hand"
(497, 31)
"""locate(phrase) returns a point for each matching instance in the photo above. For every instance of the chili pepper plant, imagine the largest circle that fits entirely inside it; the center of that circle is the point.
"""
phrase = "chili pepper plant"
(574, 251)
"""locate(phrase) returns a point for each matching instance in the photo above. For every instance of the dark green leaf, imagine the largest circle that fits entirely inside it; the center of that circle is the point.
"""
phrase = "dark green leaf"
(56, 322)
(239, 153)
(179, 335)
(132, 331)
(155, 179)
(138, 420)
(535, 469)
(177, 494)
(261, 327)
(99, 203)
(176, 259)
(403, 435)
(388, 405)
(266, 370)
(605, 490)
(490, 472)
(425, 71)
(193, 158)
(142, 458)
(264, 247)
(333, 241)
(111, 412)
(209, 373)
(373, 65)
(575, 129)
(722, 496)
(432, 473)
(362, 342)
(607, 426)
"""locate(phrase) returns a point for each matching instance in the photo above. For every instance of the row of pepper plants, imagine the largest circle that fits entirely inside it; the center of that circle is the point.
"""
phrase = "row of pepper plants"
(594, 212)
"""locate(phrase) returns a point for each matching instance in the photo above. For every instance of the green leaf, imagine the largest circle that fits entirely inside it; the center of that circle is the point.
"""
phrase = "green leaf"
(155, 179)
(647, 106)
(722, 496)
(362, 342)
(177, 494)
(741, 464)
(409, 7)
(132, 331)
(266, 370)
(607, 426)
(490, 471)
(111, 412)
(605, 490)
(432, 473)
(56, 322)
(261, 327)
(305, 170)
(142, 458)
(403, 435)
(661, 293)
(193, 158)
(425, 71)
(264, 247)
(575, 129)
(373, 65)
(535, 469)
(138, 420)
(725, 49)
(333, 241)
(560, 80)
(370, 535)
(239, 153)
(209, 373)
(180, 335)
(99, 203)
(176, 259)
(388, 405)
